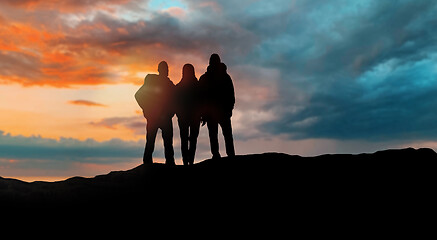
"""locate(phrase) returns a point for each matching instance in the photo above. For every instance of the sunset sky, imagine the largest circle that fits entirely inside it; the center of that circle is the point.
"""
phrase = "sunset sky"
(311, 77)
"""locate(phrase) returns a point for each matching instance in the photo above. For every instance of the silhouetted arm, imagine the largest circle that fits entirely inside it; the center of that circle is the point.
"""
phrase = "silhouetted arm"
(230, 94)
(172, 98)
(202, 103)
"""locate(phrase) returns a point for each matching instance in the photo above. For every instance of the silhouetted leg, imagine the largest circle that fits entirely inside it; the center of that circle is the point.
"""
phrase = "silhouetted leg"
(227, 134)
(213, 138)
(194, 133)
(167, 136)
(183, 132)
(150, 143)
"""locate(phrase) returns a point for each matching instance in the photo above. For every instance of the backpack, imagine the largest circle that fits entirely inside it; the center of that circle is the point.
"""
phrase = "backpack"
(154, 97)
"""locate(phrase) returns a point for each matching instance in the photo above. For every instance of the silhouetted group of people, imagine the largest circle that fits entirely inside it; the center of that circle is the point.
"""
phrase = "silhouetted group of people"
(209, 100)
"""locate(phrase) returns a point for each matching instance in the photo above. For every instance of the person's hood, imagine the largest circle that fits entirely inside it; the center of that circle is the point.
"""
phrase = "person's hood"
(221, 67)
(224, 67)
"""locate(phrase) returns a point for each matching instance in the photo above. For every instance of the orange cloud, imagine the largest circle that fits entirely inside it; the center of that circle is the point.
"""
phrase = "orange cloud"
(122, 31)
(105, 49)
(7, 46)
(65, 6)
(80, 75)
(36, 56)
(86, 103)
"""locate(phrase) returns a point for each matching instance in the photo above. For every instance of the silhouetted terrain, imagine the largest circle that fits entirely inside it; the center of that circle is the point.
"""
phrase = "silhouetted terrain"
(268, 182)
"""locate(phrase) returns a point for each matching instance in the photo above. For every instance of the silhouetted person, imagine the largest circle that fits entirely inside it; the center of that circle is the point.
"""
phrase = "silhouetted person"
(187, 110)
(218, 99)
(155, 98)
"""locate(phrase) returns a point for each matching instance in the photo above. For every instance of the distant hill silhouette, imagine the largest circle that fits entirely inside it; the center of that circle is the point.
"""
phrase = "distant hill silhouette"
(267, 182)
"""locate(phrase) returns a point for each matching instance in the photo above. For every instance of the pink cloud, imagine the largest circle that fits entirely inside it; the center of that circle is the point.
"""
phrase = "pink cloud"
(86, 103)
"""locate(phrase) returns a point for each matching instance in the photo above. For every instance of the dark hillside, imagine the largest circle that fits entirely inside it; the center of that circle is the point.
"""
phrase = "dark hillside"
(269, 180)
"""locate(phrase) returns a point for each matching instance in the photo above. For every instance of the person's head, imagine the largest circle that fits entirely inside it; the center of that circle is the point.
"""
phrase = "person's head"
(188, 71)
(163, 68)
(214, 60)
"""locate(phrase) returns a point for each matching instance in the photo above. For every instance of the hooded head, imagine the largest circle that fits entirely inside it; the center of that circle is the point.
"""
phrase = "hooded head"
(163, 68)
(214, 60)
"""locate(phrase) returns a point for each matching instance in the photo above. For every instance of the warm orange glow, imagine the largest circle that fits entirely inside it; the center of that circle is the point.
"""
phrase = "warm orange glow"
(62, 77)
(65, 6)
(5, 46)
(72, 73)
(24, 35)
(57, 57)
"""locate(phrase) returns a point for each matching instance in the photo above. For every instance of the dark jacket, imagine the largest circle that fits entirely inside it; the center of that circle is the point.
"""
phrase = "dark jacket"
(155, 97)
(217, 93)
(187, 99)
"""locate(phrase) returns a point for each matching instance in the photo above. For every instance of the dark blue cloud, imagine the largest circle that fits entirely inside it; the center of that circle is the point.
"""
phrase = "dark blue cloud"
(399, 104)
(367, 69)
